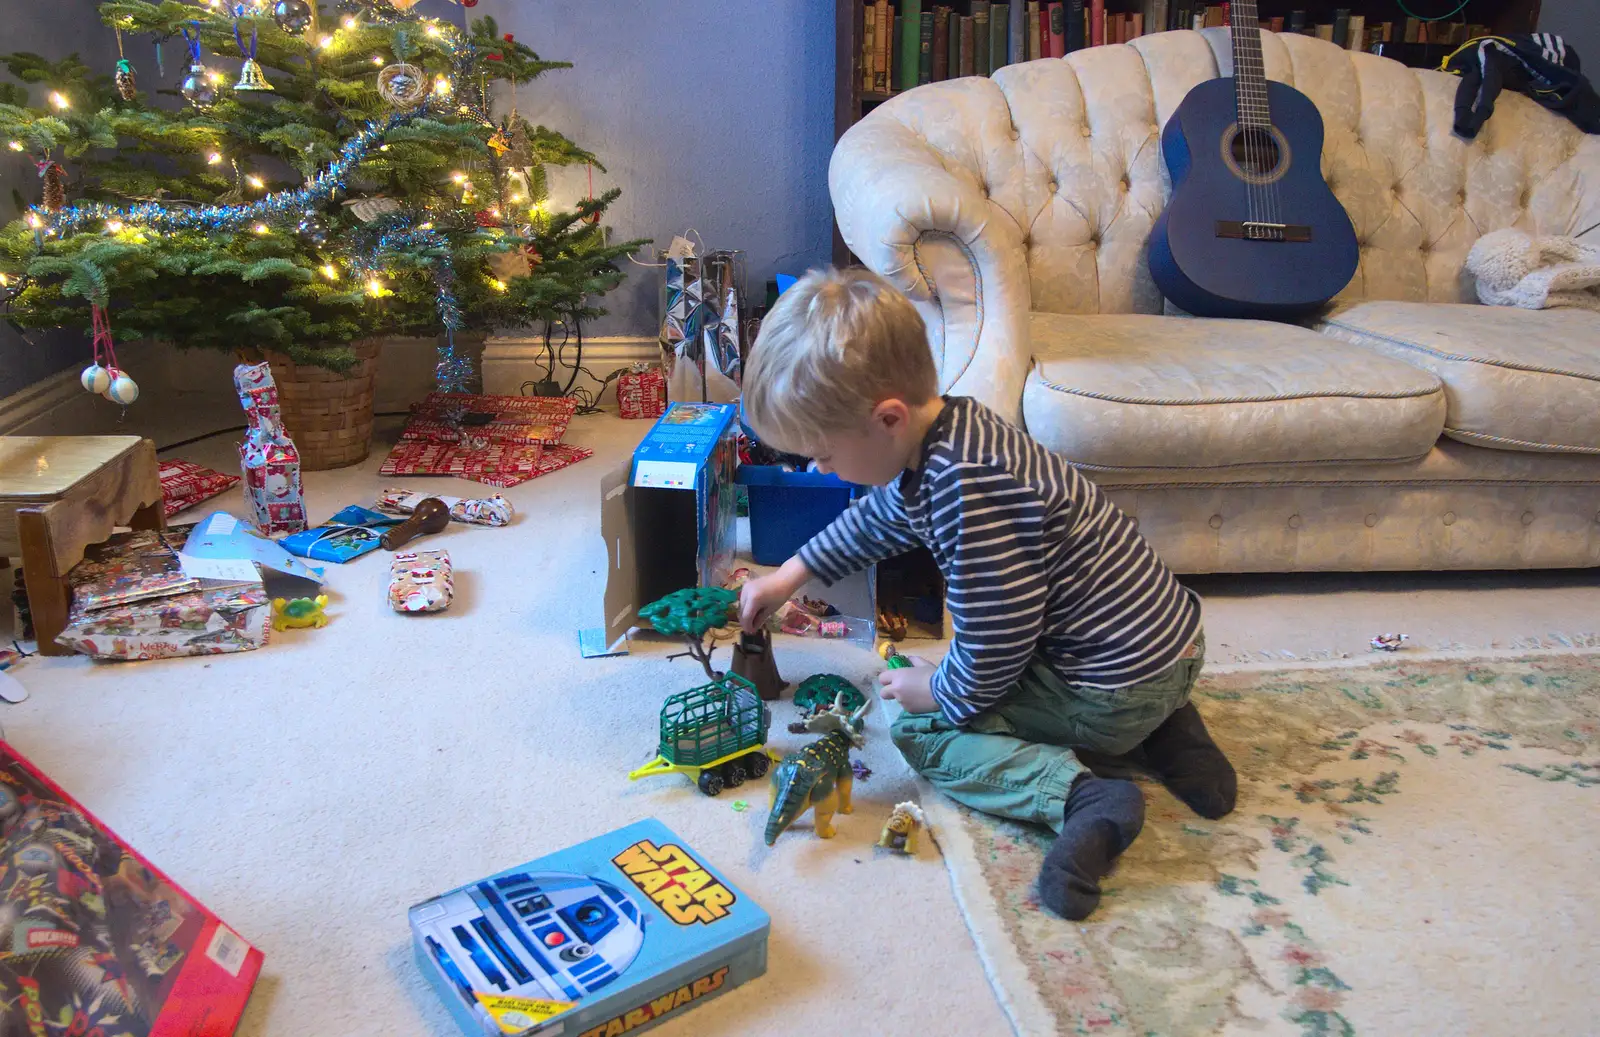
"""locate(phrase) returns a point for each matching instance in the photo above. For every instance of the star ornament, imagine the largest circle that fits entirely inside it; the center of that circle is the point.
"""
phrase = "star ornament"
(499, 143)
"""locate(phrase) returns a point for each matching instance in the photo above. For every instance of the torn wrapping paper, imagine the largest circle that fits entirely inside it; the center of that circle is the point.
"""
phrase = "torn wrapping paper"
(267, 456)
(350, 533)
(479, 420)
(499, 466)
(487, 511)
(421, 581)
(126, 604)
(185, 484)
(1389, 642)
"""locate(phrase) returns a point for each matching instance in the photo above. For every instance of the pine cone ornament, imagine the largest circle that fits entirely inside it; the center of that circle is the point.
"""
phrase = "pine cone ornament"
(55, 185)
(127, 86)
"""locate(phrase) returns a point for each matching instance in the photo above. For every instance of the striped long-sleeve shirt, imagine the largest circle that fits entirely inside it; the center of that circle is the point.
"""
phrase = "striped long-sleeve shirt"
(1037, 563)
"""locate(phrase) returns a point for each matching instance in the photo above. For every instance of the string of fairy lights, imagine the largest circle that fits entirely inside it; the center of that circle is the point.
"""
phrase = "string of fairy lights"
(392, 229)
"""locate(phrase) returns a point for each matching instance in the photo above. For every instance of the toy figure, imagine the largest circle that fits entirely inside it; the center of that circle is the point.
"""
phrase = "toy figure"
(301, 612)
(820, 691)
(892, 656)
(752, 660)
(818, 777)
(900, 831)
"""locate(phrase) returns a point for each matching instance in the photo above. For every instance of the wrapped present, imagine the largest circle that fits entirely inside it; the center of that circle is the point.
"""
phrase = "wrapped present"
(351, 533)
(642, 392)
(267, 456)
(185, 484)
(98, 940)
(130, 567)
(420, 581)
(131, 600)
(488, 511)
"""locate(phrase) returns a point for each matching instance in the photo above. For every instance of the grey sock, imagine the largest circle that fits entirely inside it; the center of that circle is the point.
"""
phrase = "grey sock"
(1189, 763)
(1103, 816)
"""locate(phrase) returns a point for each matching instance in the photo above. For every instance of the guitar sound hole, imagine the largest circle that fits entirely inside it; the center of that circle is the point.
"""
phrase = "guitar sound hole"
(1255, 151)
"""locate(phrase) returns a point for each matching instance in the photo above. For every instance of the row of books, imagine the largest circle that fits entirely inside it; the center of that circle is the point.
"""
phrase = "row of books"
(946, 45)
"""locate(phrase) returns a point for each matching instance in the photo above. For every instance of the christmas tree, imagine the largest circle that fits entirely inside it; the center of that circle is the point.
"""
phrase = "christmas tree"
(351, 173)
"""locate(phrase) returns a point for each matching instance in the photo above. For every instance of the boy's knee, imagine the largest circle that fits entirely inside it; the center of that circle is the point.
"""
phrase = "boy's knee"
(919, 735)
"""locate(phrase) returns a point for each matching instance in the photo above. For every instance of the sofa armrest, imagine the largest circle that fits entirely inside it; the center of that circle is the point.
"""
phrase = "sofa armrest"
(918, 213)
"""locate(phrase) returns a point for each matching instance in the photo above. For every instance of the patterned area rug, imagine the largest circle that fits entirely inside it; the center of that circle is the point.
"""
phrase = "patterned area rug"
(1413, 852)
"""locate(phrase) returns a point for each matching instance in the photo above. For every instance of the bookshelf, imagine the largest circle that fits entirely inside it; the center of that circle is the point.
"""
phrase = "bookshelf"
(853, 97)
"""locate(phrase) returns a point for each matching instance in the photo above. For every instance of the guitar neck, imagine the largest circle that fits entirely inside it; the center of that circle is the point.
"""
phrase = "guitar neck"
(1249, 74)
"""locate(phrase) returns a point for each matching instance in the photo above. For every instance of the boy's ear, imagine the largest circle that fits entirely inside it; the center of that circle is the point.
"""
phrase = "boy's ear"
(891, 415)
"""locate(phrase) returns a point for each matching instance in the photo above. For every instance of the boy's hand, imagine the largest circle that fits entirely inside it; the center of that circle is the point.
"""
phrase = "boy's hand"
(762, 596)
(909, 686)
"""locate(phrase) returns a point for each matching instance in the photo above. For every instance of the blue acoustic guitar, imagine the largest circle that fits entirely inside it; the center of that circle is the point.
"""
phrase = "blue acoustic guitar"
(1252, 229)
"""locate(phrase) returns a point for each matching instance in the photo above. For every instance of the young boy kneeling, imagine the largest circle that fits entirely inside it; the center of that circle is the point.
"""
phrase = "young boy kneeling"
(1070, 634)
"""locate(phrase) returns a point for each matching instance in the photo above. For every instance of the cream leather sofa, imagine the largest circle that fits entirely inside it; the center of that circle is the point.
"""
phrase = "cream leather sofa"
(1408, 429)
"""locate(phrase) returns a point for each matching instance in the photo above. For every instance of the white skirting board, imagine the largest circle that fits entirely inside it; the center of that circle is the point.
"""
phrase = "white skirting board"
(510, 361)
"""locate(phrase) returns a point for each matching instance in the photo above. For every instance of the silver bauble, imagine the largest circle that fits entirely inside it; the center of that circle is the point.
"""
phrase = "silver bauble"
(197, 87)
(292, 16)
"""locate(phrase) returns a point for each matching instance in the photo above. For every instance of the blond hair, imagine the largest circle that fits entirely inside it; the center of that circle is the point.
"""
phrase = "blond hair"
(836, 344)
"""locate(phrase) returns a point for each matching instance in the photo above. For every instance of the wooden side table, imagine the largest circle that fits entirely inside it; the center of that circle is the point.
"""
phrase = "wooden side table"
(59, 495)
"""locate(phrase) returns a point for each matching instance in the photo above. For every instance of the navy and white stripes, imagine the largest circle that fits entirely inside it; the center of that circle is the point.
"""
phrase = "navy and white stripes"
(1037, 562)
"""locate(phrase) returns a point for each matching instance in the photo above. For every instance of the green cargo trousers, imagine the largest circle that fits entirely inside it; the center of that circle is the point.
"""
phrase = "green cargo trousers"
(1016, 760)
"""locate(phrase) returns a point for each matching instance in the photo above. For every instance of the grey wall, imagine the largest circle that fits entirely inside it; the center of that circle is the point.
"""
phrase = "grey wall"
(707, 114)
(1578, 22)
(54, 29)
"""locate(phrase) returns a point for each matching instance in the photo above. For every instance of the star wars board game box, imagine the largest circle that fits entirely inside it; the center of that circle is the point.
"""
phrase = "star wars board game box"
(601, 939)
(93, 938)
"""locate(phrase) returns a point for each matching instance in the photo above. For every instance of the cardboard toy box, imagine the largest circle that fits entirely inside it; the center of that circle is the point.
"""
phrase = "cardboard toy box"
(601, 939)
(93, 938)
(668, 516)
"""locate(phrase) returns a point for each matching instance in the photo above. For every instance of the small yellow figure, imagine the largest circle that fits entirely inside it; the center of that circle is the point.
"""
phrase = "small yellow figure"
(301, 612)
(900, 831)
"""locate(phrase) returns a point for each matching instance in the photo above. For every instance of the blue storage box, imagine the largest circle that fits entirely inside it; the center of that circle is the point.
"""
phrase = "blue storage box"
(789, 508)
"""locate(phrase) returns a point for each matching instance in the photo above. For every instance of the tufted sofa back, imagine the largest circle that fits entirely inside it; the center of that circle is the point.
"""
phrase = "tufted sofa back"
(1057, 164)
(1070, 151)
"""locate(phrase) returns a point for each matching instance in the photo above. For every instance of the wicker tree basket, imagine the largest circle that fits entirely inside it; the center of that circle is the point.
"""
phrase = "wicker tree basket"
(327, 413)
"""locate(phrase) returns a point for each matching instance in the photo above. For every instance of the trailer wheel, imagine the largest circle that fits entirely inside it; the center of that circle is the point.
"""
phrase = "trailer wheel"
(710, 782)
(733, 773)
(756, 764)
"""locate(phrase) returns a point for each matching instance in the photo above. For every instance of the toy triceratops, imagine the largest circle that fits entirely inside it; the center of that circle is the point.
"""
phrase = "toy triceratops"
(818, 777)
(900, 831)
(301, 612)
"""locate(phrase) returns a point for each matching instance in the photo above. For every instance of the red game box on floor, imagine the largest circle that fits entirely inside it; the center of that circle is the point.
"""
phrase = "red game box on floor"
(93, 938)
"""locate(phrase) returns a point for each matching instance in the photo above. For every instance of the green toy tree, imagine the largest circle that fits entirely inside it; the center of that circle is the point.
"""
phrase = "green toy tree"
(691, 614)
(378, 186)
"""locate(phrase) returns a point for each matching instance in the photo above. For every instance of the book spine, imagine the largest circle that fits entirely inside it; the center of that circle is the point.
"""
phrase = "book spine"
(966, 45)
(1157, 22)
(1058, 30)
(869, 46)
(1227, 13)
(1018, 49)
(1413, 26)
(925, 49)
(910, 41)
(1341, 27)
(1077, 26)
(1097, 22)
(1357, 32)
(1136, 29)
(1297, 22)
(953, 57)
(941, 44)
(897, 66)
(885, 45)
(1275, 24)
(980, 37)
(999, 36)
(1325, 31)
(1034, 51)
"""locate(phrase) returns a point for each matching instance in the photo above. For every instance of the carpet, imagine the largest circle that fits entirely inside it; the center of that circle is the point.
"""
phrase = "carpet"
(1412, 852)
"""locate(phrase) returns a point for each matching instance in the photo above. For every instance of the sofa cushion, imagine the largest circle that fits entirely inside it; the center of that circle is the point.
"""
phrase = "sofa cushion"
(1515, 379)
(1140, 391)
